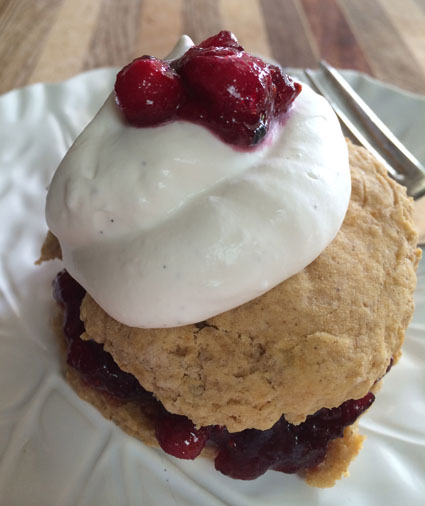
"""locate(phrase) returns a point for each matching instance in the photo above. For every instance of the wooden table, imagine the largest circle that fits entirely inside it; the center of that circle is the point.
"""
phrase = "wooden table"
(51, 40)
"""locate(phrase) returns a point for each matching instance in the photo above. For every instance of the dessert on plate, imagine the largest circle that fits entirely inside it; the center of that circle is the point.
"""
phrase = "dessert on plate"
(237, 278)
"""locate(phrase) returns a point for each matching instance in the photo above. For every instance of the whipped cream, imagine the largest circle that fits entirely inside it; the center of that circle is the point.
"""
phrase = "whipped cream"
(169, 225)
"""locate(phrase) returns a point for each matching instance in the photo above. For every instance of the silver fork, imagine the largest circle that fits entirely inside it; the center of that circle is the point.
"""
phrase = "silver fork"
(369, 131)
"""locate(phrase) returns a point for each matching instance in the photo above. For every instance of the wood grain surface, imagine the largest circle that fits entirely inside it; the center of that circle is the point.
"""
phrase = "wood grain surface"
(51, 40)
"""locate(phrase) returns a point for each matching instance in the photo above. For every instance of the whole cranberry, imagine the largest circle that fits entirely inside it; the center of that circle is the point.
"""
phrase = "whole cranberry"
(222, 39)
(235, 88)
(178, 436)
(148, 91)
(287, 90)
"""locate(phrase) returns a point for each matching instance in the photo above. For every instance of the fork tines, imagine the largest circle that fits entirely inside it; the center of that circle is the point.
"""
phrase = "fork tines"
(364, 126)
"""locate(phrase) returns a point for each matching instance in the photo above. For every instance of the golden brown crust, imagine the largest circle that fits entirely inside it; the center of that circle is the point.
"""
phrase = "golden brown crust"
(340, 453)
(50, 250)
(321, 337)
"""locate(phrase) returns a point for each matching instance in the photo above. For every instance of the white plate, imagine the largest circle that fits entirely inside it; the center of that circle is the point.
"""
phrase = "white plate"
(57, 450)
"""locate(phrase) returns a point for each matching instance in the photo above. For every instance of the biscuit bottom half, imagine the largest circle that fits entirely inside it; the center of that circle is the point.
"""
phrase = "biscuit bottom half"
(320, 448)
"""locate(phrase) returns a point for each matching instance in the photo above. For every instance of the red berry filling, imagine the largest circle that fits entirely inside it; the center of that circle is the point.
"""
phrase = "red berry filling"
(216, 84)
(243, 455)
(285, 447)
(95, 365)
(178, 436)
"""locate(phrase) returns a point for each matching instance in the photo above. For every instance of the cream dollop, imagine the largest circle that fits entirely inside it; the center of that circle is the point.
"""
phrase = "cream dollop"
(169, 225)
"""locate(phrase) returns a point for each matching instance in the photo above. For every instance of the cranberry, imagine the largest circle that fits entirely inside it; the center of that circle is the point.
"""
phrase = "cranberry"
(100, 371)
(232, 89)
(287, 90)
(178, 436)
(285, 447)
(66, 290)
(216, 84)
(69, 294)
(222, 39)
(96, 366)
(148, 91)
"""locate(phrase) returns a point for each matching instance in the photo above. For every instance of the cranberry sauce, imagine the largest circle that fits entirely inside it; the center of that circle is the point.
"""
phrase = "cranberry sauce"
(216, 84)
(243, 455)
(285, 447)
(95, 365)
